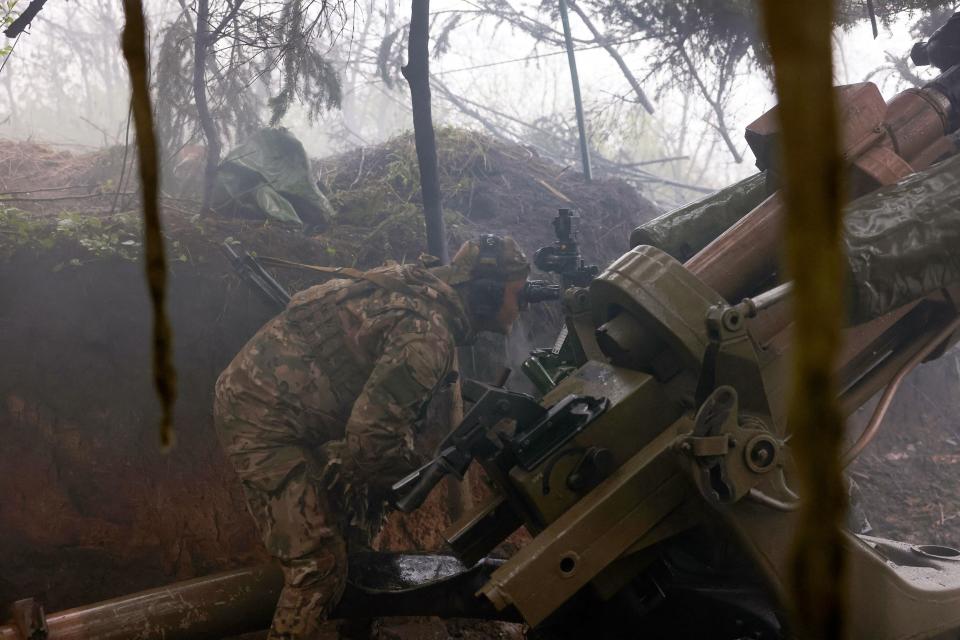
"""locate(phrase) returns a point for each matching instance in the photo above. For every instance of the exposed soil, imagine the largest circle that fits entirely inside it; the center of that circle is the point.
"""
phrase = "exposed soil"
(487, 185)
(906, 481)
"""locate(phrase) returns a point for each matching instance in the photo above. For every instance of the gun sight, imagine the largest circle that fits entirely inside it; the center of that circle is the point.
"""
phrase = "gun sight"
(535, 291)
(563, 256)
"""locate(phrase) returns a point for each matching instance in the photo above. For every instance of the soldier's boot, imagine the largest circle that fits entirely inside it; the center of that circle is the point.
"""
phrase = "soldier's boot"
(313, 586)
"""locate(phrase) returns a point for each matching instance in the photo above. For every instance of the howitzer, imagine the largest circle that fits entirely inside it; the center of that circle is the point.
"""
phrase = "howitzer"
(669, 507)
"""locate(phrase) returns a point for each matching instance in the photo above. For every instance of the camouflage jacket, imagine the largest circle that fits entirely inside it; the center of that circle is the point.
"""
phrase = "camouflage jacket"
(344, 372)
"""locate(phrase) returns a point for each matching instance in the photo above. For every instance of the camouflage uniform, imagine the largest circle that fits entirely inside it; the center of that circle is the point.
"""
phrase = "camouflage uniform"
(317, 413)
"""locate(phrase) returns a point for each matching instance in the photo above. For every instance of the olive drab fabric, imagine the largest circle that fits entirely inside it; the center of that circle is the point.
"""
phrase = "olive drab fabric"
(268, 176)
(317, 414)
(902, 241)
(684, 231)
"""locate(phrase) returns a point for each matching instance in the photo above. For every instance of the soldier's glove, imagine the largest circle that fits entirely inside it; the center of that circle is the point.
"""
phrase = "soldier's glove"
(338, 468)
(364, 511)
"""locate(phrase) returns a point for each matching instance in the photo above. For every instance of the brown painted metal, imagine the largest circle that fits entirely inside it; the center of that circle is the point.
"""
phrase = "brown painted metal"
(216, 606)
(942, 148)
(861, 113)
(875, 167)
(879, 145)
(726, 266)
(915, 118)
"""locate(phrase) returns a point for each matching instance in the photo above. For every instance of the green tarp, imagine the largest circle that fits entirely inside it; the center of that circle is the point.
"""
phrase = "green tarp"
(685, 231)
(268, 176)
(903, 241)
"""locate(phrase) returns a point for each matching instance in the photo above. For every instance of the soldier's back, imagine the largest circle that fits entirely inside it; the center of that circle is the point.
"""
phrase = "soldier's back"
(298, 377)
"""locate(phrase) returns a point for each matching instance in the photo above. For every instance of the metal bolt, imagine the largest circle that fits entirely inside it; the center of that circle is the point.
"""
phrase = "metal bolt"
(760, 456)
(731, 320)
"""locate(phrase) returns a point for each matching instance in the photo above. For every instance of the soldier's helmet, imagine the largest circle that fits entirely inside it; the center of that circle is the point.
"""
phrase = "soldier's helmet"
(490, 257)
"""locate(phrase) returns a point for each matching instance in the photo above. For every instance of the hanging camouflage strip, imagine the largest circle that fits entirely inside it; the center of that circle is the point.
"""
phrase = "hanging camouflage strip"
(134, 50)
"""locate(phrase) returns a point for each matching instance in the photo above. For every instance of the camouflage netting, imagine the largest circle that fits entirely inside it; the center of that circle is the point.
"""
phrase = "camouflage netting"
(90, 507)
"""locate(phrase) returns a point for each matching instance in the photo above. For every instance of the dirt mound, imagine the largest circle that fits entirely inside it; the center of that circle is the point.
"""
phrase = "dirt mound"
(487, 185)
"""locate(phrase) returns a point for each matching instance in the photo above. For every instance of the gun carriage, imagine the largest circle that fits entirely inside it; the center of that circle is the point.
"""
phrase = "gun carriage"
(655, 473)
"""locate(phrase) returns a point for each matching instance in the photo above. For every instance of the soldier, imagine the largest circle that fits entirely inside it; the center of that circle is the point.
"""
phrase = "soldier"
(318, 411)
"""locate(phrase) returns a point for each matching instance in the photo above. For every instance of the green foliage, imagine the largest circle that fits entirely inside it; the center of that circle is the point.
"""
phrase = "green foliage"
(96, 237)
(720, 34)
(10, 14)
(307, 74)
(390, 187)
(270, 47)
(108, 236)
(376, 195)
(233, 106)
(19, 229)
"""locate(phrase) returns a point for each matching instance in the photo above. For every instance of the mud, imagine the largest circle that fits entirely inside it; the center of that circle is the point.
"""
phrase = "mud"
(906, 482)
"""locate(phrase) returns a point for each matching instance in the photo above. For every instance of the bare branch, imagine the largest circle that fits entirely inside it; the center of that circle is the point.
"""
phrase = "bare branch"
(135, 51)
(721, 125)
(605, 42)
(228, 17)
(24, 19)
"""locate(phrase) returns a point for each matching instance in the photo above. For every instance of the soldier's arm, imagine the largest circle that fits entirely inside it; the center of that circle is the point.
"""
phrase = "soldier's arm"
(379, 434)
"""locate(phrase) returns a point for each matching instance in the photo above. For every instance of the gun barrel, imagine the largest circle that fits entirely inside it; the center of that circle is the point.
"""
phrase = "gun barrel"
(884, 143)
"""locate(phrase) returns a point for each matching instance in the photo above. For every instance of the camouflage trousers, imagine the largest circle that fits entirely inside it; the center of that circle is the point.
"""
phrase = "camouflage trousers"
(300, 527)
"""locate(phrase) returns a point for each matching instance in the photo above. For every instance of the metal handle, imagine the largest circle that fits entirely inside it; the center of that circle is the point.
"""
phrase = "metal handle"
(426, 478)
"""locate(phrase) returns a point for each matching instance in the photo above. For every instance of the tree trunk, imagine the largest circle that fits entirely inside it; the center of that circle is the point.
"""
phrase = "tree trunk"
(210, 132)
(417, 73)
(577, 101)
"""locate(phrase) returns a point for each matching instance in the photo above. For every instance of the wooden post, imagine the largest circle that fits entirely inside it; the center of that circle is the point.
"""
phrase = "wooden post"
(578, 103)
(417, 73)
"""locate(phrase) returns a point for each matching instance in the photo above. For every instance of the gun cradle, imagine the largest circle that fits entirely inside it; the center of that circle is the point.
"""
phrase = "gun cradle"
(692, 438)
